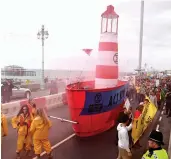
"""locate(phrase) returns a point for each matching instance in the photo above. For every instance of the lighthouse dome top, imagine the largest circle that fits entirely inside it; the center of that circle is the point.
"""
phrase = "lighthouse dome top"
(110, 13)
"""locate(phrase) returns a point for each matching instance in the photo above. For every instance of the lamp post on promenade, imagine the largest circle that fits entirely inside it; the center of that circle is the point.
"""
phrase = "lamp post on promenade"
(141, 37)
(42, 35)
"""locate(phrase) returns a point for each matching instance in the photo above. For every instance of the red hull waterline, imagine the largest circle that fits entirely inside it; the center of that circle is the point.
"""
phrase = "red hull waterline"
(91, 124)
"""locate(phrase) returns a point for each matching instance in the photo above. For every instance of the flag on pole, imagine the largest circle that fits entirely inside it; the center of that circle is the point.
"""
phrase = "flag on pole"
(87, 51)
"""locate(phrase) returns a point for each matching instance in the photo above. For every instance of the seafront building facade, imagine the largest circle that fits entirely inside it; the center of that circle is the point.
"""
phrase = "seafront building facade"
(19, 73)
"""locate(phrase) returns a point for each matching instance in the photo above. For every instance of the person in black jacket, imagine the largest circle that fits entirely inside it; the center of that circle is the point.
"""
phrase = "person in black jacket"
(5, 93)
(168, 103)
(11, 86)
(2, 92)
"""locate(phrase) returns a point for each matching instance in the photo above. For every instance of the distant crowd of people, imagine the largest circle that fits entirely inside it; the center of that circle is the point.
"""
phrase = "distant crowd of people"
(159, 95)
(156, 93)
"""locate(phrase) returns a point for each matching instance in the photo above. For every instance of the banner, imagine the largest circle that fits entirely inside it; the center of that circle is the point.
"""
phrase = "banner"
(127, 104)
(137, 129)
(100, 102)
(140, 124)
(157, 82)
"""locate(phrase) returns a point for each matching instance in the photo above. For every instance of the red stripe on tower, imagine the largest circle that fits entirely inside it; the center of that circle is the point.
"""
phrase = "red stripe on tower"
(104, 72)
(108, 46)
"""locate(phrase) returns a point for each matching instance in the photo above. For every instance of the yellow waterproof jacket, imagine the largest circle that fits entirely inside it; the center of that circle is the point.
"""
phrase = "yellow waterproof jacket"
(34, 112)
(4, 125)
(39, 130)
(22, 124)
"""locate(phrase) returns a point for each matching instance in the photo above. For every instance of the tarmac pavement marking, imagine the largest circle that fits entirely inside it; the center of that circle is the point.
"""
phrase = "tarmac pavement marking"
(58, 144)
(162, 112)
(160, 118)
(157, 128)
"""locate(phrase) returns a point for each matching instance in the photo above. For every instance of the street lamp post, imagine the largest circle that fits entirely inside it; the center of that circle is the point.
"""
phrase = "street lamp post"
(141, 35)
(42, 35)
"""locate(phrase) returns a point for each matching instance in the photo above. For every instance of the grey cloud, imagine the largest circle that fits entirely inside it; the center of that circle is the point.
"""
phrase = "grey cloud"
(157, 31)
(156, 7)
(158, 24)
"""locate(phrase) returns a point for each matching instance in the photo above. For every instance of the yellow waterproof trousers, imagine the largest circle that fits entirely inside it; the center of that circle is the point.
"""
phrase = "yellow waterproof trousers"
(22, 140)
(38, 144)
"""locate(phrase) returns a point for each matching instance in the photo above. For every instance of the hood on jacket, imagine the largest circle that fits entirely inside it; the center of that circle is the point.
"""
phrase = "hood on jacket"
(120, 127)
(39, 122)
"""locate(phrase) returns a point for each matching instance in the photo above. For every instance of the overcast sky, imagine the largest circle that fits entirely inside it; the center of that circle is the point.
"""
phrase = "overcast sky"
(74, 25)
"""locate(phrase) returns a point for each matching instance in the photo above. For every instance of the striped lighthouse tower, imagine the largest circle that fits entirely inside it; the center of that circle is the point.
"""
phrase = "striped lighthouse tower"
(107, 60)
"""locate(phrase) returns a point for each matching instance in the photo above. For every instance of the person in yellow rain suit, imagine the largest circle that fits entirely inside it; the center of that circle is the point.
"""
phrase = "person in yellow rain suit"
(40, 130)
(32, 107)
(4, 125)
(34, 110)
(22, 123)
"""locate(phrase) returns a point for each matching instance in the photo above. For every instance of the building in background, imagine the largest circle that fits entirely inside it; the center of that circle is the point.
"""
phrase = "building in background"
(168, 72)
(19, 73)
(14, 70)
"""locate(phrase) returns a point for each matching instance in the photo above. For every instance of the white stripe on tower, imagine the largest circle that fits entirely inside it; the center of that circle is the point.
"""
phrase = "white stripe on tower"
(109, 37)
(107, 62)
(106, 58)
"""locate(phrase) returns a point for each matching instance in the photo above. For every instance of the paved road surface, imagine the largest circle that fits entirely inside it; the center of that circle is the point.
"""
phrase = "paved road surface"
(100, 146)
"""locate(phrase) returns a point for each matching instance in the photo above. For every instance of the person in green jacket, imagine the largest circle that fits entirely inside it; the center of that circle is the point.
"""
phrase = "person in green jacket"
(155, 150)
(162, 95)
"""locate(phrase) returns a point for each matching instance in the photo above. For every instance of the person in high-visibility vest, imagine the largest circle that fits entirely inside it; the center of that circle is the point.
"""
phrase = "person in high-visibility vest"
(4, 125)
(155, 151)
(27, 81)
